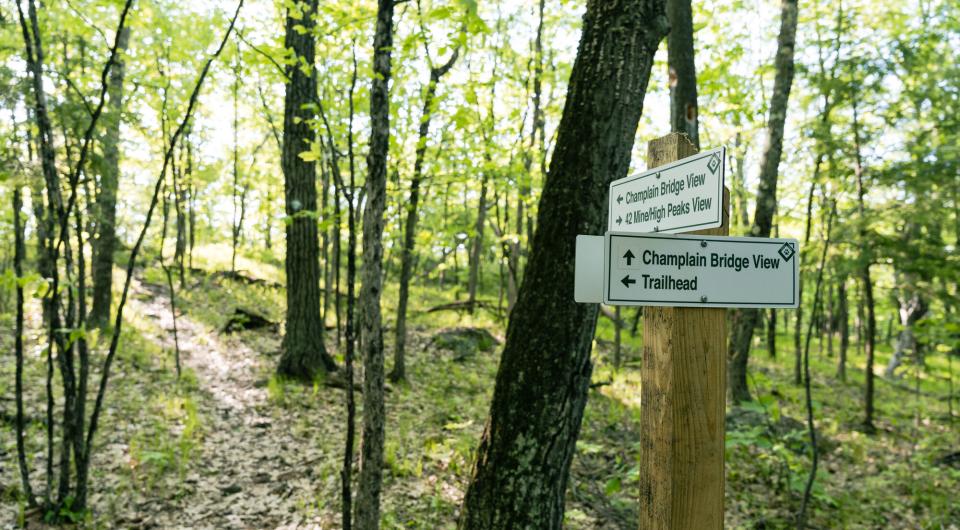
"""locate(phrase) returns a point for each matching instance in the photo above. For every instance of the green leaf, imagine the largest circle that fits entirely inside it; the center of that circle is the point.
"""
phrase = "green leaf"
(613, 486)
(308, 156)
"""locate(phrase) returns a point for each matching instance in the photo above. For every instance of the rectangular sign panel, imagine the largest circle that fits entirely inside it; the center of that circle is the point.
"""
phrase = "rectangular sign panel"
(588, 270)
(700, 271)
(683, 196)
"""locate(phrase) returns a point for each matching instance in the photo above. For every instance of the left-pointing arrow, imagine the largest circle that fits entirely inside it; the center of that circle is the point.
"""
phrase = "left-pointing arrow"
(627, 281)
(619, 199)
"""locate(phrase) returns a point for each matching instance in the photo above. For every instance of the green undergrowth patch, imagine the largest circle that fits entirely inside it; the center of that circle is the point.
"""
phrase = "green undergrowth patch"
(153, 428)
(434, 422)
(888, 479)
(153, 423)
(148, 432)
(211, 299)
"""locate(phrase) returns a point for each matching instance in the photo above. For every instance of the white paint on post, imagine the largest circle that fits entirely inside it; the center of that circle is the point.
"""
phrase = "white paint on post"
(699, 271)
(684, 196)
(588, 275)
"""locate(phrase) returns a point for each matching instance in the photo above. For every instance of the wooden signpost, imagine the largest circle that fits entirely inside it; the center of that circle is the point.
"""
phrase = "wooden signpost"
(686, 283)
(683, 387)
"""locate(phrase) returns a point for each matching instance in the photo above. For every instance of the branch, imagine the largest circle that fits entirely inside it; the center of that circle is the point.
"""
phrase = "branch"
(86, 20)
(83, 99)
(266, 112)
(269, 57)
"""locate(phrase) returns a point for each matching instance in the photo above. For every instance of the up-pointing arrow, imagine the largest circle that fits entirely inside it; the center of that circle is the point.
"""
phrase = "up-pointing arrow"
(629, 257)
(627, 281)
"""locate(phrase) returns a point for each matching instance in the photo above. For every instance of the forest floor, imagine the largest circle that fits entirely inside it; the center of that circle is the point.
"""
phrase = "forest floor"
(227, 445)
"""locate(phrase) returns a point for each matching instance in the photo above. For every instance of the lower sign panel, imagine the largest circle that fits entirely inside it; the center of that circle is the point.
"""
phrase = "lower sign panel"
(700, 271)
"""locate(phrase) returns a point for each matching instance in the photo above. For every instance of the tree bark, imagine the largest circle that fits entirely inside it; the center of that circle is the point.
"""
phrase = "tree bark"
(798, 321)
(236, 225)
(371, 450)
(683, 70)
(866, 259)
(844, 321)
(304, 354)
(772, 333)
(912, 306)
(19, 252)
(746, 319)
(180, 204)
(524, 456)
(739, 154)
(106, 242)
(828, 322)
(476, 249)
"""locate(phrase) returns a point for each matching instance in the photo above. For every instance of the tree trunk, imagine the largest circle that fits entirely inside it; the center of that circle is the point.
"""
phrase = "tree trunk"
(235, 190)
(327, 272)
(683, 70)
(335, 241)
(180, 203)
(106, 241)
(371, 448)
(798, 322)
(410, 229)
(19, 252)
(866, 259)
(746, 319)
(304, 354)
(829, 321)
(844, 322)
(772, 334)
(912, 306)
(191, 200)
(477, 248)
(46, 260)
(741, 219)
(617, 326)
(523, 461)
(861, 318)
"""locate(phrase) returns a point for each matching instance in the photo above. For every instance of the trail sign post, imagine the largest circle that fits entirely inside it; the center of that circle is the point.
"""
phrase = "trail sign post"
(686, 282)
(682, 196)
(699, 271)
(683, 391)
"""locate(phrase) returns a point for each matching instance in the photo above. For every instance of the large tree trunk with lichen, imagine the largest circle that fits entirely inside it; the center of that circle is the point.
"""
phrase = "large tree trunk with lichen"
(374, 415)
(304, 354)
(746, 319)
(524, 456)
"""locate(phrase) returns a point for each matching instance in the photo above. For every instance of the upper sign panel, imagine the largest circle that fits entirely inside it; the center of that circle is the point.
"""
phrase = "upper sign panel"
(683, 196)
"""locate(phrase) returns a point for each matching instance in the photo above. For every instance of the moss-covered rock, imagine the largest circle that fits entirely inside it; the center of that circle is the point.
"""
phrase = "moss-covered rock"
(464, 342)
